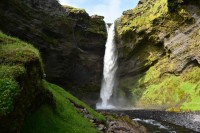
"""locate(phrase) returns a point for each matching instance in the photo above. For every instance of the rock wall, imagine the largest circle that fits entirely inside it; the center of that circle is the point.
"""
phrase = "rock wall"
(159, 46)
(70, 41)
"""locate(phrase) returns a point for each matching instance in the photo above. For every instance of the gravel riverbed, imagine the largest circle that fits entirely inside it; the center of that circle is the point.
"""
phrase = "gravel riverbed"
(173, 122)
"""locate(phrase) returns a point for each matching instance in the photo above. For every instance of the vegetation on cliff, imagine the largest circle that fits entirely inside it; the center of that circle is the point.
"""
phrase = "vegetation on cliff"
(30, 104)
(136, 19)
(71, 42)
(158, 44)
(15, 58)
(21, 72)
(26, 96)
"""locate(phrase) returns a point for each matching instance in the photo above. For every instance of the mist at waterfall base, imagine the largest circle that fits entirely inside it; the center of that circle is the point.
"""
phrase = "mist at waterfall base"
(108, 94)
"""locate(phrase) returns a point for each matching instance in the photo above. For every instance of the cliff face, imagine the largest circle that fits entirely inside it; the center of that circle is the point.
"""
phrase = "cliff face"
(159, 46)
(70, 41)
(29, 104)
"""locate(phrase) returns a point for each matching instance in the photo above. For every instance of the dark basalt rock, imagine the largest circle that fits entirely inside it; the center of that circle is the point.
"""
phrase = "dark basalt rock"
(142, 2)
(97, 17)
(71, 42)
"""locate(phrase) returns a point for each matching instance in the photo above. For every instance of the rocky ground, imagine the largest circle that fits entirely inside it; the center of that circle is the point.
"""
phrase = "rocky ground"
(120, 123)
(186, 122)
(125, 127)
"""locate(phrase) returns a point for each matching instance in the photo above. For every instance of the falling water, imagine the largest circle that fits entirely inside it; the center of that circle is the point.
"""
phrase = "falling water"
(109, 72)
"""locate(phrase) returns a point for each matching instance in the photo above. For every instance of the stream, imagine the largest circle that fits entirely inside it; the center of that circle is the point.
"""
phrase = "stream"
(163, 122)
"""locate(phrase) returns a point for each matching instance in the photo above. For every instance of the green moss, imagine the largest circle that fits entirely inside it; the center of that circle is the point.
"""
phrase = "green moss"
(143, 16)
(14, 51)
(9, 90)
(167, 91)
(21, 85)
(75, 10)
(155, 95)
(4, 39)
(141, 33)
(11, 72)
(151, 18)
(191, 75)
(63, 118)
(14, 56)
(78, 102)
(160, 88)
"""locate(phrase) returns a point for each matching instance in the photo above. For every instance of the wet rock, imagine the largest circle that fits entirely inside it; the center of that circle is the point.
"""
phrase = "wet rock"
(86, 116)
(92, 121)
(123, 126)
(112, 123)
(84, 111)
(101, 127)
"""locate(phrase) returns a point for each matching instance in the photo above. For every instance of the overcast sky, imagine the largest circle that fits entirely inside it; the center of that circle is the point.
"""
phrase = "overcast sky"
(110, 9)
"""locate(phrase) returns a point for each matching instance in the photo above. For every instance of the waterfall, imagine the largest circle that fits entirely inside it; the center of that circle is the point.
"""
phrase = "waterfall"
(109, 71)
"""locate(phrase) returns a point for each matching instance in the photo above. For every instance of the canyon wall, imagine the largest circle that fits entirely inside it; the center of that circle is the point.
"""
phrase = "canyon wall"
(71, 42)
(159, 55)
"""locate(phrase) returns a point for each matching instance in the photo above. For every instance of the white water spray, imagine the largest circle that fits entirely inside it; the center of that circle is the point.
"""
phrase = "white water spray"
(109, 72)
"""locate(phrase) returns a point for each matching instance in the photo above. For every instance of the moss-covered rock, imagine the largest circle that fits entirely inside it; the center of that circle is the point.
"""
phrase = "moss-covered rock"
(158, 48)
(30, 104)
(71, 42)
(21, 90)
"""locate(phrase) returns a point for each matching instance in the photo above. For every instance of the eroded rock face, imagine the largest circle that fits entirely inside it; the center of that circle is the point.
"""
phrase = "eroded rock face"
(159, 54)
(142, 2)
(70, 41)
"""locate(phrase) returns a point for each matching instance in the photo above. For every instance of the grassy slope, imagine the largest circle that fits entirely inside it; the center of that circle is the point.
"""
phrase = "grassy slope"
(15, 59)
(64, 118)
(171, 92)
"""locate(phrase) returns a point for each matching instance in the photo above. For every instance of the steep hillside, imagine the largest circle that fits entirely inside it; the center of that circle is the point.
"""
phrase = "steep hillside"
(71, 42)
(159, 55)
(26, 96)
(29, 104)
(20, 83)
(68, 115)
